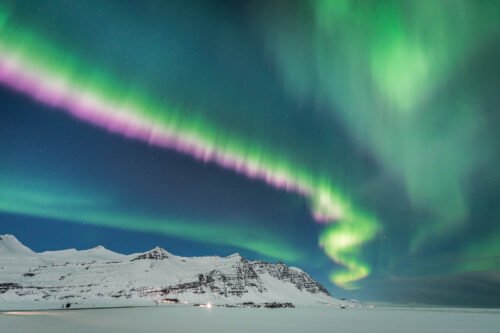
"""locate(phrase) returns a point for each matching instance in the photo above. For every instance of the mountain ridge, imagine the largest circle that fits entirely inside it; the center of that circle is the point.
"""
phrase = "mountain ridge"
(100, 276)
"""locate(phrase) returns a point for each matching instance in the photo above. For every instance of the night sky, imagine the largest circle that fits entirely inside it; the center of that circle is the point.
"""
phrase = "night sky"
(358, 140)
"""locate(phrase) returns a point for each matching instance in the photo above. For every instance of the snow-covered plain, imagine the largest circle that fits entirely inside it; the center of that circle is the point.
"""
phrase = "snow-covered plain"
(302, 319)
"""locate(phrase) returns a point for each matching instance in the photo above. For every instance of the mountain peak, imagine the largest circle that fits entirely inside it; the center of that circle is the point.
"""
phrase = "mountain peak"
(156, 253)
(9, 244)
(7, 237)
(235, 255)
(100, 251)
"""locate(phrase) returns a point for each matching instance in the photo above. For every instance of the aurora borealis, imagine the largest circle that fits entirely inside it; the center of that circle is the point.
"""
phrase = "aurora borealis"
(355, 139)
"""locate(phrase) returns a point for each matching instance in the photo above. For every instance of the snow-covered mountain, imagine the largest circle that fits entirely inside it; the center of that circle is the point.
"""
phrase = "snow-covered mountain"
(100, 277)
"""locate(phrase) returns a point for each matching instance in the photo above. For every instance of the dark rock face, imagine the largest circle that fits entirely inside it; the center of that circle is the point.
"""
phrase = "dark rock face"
(246, 277)
(275, 305)
(268, 305)
(4, 287)
(155, 254)
(300, 279)
(223, 284)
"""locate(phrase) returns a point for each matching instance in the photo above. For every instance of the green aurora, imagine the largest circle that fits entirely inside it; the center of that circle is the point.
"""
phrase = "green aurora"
(391, 62)
(47, 202)
(111, 104)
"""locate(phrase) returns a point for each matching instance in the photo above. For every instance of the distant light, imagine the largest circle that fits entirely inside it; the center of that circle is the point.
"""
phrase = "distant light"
(208, 305)
(29, 313)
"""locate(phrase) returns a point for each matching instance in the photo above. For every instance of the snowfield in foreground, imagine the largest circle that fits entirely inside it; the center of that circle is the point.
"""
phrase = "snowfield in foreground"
(302, 319)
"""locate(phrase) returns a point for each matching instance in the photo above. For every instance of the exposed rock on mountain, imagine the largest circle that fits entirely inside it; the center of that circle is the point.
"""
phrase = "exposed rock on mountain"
(100, 277)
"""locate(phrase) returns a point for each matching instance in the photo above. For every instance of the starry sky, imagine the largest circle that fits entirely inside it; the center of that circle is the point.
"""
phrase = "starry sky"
(357, 140)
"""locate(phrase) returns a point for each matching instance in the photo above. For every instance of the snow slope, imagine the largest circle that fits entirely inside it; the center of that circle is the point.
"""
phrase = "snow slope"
(100, 277)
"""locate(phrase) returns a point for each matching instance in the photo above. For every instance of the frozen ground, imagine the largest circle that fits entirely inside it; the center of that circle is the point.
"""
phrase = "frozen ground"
(191, 319)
